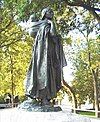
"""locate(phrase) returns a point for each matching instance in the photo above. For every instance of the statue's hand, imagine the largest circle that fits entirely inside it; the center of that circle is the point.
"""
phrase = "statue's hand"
(52, 27)
(50, 22)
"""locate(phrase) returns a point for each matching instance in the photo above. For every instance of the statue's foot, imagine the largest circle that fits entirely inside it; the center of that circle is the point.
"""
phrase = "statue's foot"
(45, 102)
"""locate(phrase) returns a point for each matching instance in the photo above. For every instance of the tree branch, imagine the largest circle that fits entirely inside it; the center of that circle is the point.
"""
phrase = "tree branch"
(85, 6)
(2, 29)
(92, 11)
(4, 45)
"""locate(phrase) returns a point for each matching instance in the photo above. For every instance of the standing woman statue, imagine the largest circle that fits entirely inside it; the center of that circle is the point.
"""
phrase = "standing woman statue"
(44, 75)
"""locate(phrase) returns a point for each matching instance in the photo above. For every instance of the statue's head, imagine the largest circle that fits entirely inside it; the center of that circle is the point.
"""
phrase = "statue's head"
(47, 13)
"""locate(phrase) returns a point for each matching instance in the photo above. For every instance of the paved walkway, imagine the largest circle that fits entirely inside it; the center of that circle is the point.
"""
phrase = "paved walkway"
(15, 115)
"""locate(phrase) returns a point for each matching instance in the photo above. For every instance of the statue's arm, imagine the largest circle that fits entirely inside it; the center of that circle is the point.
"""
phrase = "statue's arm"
(33, 28)
(52, 27)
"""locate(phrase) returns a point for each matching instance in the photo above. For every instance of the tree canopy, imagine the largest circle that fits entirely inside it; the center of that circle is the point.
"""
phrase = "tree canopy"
(73, 17)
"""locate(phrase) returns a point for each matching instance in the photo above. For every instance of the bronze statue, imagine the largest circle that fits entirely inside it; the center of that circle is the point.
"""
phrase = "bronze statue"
(44, 75)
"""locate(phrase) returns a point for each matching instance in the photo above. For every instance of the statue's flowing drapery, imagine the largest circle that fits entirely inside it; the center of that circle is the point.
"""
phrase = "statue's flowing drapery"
(45, 71)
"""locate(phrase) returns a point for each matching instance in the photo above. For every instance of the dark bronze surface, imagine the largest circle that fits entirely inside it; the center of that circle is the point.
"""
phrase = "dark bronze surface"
(44, 75)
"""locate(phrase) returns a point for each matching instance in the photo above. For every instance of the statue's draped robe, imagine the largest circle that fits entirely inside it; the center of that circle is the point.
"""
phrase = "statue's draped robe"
(45, 71)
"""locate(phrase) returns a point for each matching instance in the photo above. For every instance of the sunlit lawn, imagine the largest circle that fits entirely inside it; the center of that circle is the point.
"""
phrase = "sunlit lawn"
(86, 113)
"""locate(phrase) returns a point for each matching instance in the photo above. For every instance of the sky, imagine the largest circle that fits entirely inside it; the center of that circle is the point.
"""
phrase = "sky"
(68, 77)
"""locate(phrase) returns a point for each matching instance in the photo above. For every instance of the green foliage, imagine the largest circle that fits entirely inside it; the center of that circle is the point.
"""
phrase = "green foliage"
(15, 44)
(65, 12)
(15, 53)
(1, 99)
(83, 82)
(85, 56)
(19, 53)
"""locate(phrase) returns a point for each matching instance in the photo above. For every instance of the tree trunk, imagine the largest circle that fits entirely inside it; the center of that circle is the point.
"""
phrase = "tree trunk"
(96, 93)
(95, 81)
(65, 85)
(12, 85)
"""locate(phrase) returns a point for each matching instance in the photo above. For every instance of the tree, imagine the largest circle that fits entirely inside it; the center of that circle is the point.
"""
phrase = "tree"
(87, 65)
(15, 50)
(68, 15)
(13, 63)
(91, 5)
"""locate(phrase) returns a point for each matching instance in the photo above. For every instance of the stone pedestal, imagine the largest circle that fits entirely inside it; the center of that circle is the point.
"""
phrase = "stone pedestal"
(16, 115)
(35, 106)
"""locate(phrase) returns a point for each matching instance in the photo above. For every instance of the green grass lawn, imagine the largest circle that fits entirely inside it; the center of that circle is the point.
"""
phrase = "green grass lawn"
(86, 113)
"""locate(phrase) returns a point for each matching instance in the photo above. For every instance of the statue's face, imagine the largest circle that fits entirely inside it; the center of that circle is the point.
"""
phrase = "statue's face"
(49, 14)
